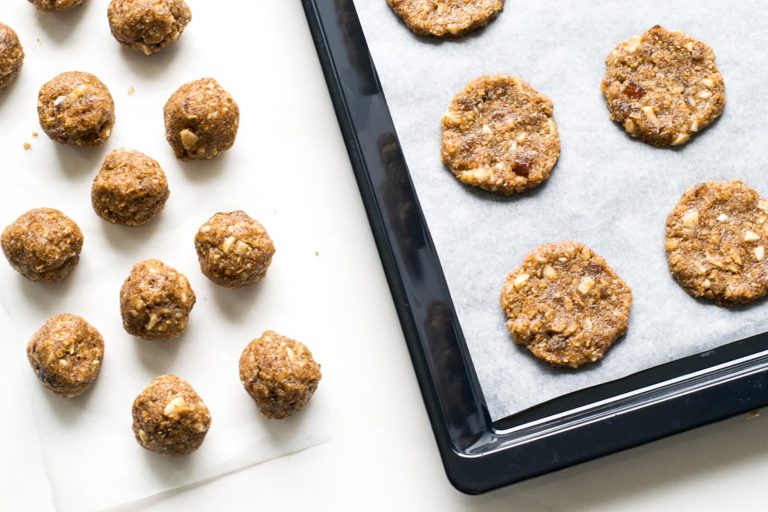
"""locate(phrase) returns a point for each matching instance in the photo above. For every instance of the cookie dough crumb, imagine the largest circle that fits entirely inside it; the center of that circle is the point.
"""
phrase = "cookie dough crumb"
(76, 108)
(565, 304)
(234, 250)
(279, 373)
(663, 87)
(716, 242)
(27, 146)
(155, 301)
(499, 134)
(43, 245)
(201, 120)
(446, 18)
(35, 134)
(66, 354)
(317, 253)
(131, 90)
(55, 5)
(169, 417)
(130, 189)
(11, 56)
(148, 26)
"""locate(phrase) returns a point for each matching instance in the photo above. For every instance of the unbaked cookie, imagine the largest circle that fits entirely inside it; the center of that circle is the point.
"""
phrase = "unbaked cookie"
(716, 242)
(499, 134)
(66, 354)
(43, 245)
(11, 56)
(446, 18)
(279, 373)
(663, 87)
(169, 417)
(76, 108)
(55, 5)
(148, 26)
(130, 189)
(565, 304)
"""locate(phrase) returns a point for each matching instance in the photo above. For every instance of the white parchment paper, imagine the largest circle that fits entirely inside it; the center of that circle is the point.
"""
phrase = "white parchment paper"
(607, 191)
(88, 446)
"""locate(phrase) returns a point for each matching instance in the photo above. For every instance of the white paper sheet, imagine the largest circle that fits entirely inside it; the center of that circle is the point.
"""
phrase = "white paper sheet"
(88, 447)
(607, 191)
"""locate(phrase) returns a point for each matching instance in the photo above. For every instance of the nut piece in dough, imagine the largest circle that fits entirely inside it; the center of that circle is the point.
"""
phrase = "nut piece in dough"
(169, 417)
(76, 108)
(565, 304)
(55, 5)
(446, 18)
(279, 373)
(499, 134)
(663, 87)
(155, 301)
(716, 240)
(66, 354)
(43, 245)
(148, 26)
(234, 249)
(130, 189)
(11, 56)
(201, 120)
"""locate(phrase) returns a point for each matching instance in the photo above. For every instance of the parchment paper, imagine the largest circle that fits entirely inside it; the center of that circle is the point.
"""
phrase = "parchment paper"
(88, 446)
(607, 191)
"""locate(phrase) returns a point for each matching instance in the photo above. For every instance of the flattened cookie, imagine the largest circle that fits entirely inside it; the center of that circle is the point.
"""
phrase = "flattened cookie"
(565, 304)
(716, 242)
(446, 18)
(663, 86)
(499, 134)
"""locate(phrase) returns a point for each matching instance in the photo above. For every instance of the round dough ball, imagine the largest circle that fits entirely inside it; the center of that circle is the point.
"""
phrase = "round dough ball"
(201, 120)
(716, 242)
(234, 250)
(55, 5)
(130, 189)
(565, 304)
(11, 56)
(279, 373)
(66, 354)
(663, 87)
(446, 18)
(76, 108)
(169, 417)
(155, 301)
(43, 245)
(500, 135)
(148, 26)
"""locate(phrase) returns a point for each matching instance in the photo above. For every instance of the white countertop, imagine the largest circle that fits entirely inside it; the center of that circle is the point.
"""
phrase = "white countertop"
(383, 456)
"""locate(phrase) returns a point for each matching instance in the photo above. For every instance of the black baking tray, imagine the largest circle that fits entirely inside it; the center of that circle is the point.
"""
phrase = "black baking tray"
(480, 454)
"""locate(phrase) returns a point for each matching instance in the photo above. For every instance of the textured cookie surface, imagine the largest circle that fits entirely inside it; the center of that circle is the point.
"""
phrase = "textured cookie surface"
(716, 242)
(148, 26)
(565, 304)
(499, 134)
(55, 5)
(663, 87)
(446, 18)
(11, 56)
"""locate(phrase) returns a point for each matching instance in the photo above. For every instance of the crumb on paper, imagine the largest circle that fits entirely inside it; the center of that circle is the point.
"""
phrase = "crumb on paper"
(751, 415)
(35, 134)
(317, 253)
(131, 90)
(27, 146)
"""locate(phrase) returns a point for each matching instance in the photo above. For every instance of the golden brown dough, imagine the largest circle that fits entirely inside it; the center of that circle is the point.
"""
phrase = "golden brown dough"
(148, 26)
(55, 5)
(11, 56)
(446, 18)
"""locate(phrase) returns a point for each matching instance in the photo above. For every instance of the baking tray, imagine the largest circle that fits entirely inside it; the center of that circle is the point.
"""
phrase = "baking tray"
(480, 454)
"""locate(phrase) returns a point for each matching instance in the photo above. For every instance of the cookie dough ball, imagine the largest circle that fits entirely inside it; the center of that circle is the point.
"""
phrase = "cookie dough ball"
(43, 245)
(76, 108)
(234, 250)
(66, 354)
(499, 134)
(201, 120)
(279, 373)
(169, 417)
(663, 87)
(11, 56)
(716, 242)
(565, 304)
(155, 301)
(55, 5)
(130, 189)
(446, 18)
(148, 26)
